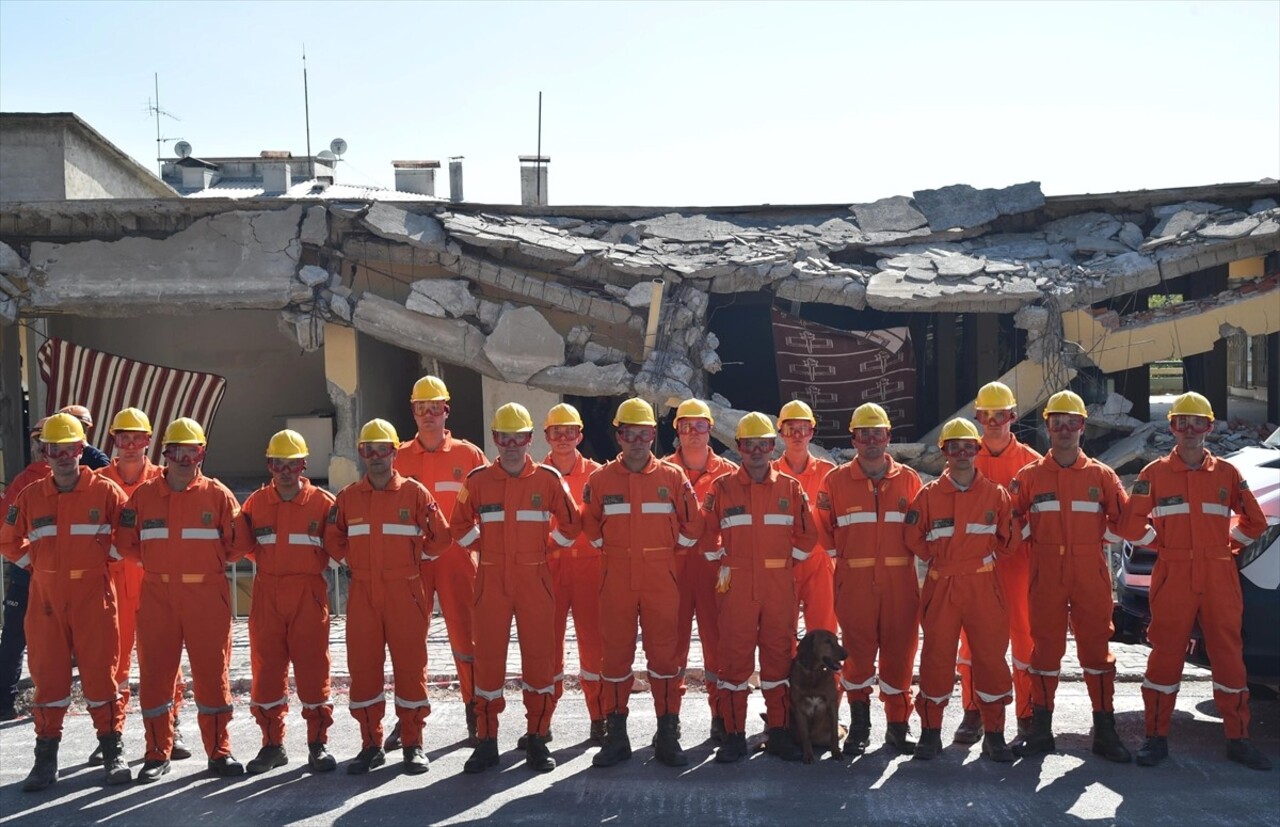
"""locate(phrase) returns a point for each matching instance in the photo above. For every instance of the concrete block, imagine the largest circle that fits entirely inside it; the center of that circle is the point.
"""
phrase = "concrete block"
(522, 343)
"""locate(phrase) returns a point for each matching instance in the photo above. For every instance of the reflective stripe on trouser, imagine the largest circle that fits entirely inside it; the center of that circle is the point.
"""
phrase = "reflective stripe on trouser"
(972, 602)
(198, 616)
(1077, 587)
(697, 576)
(531, 603)
(879, 611)
(451, 579)
(576, 582)
(649, 608)
(126, 576)
(1182, 592)
(397, 622)
(289, 623)
(815, 591)
(1014, 574)
(60, 611)
(767, 623)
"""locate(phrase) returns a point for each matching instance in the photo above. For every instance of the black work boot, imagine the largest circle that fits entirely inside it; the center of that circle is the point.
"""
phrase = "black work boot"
(667, 743)
(112, 748)
(45, 770)
(994, 747)
(472, 738)
(1153, 750)
(320, 759)
(597, 732)
(617, 746)
(226, 767)
(734, 748)
(536, 755)
(179, 751)
(782, 745)
(393, 739)
(523, 741)
(414, 760)
(268, 758)
(1242, 751)
(95, 757)
(484, 756)
(859, 737)
(368, 758)
(717, 730)
(930, 745)
(1039, 738)
(1025, 725)
(1105, 740)
(898, 736)
(152, 770)
(970, 729)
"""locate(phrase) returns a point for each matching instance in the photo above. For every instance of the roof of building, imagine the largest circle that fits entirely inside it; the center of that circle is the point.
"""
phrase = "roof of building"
(311, 189)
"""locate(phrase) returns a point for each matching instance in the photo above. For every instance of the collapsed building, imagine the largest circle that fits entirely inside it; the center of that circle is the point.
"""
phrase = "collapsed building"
(946, 288)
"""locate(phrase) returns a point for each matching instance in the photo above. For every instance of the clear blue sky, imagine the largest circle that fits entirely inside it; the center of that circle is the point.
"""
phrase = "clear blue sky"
(683, 103)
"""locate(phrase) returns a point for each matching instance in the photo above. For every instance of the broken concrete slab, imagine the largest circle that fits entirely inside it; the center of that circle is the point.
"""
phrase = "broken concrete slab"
(313, 276)
(958, 206)
(397, 224)
(1234, 229)
(839, 290)
(1131, 235)
(522, 343)
(894, 214)
(452, 295)
(315, 227)
(303, 328)
(424, 304)
(1094, 224)
(1183, 221)
(958, 267)
(451, 340)
(584, 380)
(12, 264)
(1018, 198)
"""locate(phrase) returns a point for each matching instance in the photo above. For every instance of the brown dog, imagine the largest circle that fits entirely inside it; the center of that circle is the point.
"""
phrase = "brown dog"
(815, 701)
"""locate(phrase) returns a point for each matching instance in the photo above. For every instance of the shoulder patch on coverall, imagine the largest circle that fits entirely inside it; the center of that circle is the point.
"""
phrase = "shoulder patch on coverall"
(913, 517)
(1142, 488)
(11, 516)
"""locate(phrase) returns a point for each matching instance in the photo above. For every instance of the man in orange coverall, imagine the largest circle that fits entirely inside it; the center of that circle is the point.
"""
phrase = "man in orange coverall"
(181, 526)
(1000, 456)
(440, 461)
(861, 508)
(1190, 496)
(382, 526)
(961, 523)
(639, 510)
(757, 522)
(575, 571)
(284, 528)
(505, 511)
(1067, 505)
(61, 528)
(697, 574)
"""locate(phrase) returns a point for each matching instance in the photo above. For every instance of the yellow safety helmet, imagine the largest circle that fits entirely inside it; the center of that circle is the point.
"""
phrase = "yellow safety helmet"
(379, 430)
(287, 445)
(869, 415)
(563, 414)
(694, 409)
(429, 389)
(795, 409)
(755, 425)
(184, 431)
(958, 429)
(995, 396)
(130, 419)
(512, 418)
(1191, 404)
(1065, 402)
(61, 428)
(634, 411)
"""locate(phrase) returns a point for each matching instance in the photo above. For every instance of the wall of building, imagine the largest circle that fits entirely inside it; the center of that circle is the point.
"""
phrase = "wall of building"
(31, 166)
(90, 173)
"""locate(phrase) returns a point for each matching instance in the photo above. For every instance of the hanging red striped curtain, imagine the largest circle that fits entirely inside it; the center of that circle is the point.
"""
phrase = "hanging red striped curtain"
(105, 384)
(835, 371)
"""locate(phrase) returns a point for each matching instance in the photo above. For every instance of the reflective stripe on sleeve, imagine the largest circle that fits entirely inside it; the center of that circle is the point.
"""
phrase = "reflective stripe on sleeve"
(686, 542)
(1240, 537)
(1170, 510)
(561, 540)
(43, 531)
(938, 533)
(1146, 539)
(799, 553)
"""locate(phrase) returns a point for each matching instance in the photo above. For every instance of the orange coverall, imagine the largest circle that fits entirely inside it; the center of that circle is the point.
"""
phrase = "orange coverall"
(1068, 514)
(961, 533)
(289, 617)
(639, 520)
(126, 575)
(575, 578)
(451, 577)
(756, 530)
(698, 583)
(509, 521)
(860, 524)
(184, 539)
(65, 539)
(1195, 579)
(815, 575)
(382, 534)
(1014, 574)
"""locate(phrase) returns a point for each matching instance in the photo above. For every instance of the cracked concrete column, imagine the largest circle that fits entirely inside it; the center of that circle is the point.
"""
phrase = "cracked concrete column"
(342, 378)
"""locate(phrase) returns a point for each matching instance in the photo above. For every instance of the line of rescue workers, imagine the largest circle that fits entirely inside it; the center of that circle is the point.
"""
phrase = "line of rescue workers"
(1015, 545)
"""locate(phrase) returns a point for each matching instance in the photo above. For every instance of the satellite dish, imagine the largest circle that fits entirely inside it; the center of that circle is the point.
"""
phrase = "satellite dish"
(327, 156)
(183, 149)
(338, 146)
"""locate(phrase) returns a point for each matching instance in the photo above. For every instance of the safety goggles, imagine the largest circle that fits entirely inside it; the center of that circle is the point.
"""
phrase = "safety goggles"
(181, 454)
(1061, 422)
(563, 433)
(375, 450)
(1190, 424)
(797, 429)
(756, 445)
(286, 466)
(871, 436)
(435, 408)
(693, 426)
(960, 448)
(633, 435)
(131, 439)
(62, 450)
(995, 417)
(506, 440)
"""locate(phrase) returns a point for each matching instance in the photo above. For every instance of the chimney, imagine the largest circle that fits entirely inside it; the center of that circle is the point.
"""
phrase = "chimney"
(455, 178)
(416, 176)
(276, 178)
(533, 180)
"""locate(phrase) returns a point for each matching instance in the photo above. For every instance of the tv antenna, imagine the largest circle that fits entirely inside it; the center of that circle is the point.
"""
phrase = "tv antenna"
(153, 108)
